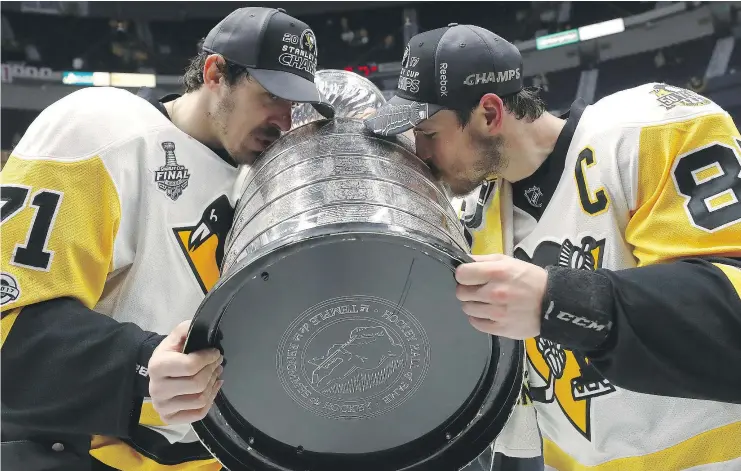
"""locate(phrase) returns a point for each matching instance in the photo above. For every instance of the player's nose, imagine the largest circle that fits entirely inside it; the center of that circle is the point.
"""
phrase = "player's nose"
(424, 151)
(282, 117)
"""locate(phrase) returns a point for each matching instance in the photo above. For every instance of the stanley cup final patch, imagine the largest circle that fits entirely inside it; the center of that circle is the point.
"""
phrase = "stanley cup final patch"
(171, 178)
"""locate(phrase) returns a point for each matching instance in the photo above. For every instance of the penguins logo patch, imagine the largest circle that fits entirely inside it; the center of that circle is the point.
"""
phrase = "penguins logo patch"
(567, 377)
(203, 242)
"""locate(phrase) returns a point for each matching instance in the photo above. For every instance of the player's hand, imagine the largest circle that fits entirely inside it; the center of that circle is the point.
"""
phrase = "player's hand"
(183, 387)
(502, 295)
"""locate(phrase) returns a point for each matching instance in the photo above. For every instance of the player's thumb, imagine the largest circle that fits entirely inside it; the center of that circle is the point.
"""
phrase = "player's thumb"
(493, 257)
(175, 341)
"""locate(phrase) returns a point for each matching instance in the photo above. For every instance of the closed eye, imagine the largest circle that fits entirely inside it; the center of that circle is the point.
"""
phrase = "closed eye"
(428, 135)
(277, 99)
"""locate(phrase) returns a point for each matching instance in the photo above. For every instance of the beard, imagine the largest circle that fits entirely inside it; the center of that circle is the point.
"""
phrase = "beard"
(224, 109)
(220, 121)
(221, 117)
(490, 161)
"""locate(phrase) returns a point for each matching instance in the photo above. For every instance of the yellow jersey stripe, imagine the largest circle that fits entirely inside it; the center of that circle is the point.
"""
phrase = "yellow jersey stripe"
(713, 446)
(6, 324)
(117, 454)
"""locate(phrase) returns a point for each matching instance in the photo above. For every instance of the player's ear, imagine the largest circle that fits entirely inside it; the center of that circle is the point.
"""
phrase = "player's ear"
(492, 109)
(212, 70)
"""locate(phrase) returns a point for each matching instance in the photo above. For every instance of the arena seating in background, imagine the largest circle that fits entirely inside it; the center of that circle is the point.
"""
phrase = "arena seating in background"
(558, 89)
(357, 38)
(350, 38)
(61, 39)
(14, 124)
(675, 65)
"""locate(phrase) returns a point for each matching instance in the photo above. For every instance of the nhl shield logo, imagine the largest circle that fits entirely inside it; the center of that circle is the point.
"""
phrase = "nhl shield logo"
(534, 196)
(171, 178)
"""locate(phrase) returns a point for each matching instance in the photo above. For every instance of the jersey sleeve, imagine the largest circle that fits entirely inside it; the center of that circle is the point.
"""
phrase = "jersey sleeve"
(59, 224)
(677, 317)
(60, 217)
(687, 190)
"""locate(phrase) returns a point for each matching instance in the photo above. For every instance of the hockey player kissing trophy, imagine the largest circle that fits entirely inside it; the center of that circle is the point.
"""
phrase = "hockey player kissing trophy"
(337, 314)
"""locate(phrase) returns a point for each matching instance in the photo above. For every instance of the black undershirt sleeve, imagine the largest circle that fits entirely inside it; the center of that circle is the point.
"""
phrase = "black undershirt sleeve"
(670, 329)
(68, 369)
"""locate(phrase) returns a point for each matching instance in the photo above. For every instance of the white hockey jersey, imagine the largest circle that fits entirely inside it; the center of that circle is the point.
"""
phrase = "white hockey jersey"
(113, 205)
(644, 176)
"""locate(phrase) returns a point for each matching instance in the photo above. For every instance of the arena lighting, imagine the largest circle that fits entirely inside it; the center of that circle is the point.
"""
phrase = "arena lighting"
(108, 79)
(96, 79)
(365, 70)
(599, 30)
(133, 80)
(557, 39)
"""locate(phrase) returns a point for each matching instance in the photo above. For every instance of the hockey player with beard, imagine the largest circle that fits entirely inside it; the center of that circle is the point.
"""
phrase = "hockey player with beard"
(608, 239)
(115, 209)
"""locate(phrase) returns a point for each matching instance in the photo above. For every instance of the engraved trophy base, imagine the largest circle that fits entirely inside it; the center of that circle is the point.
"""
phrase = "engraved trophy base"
(348, 350)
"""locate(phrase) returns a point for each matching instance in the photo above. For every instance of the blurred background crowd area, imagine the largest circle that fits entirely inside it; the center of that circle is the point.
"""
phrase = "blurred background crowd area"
(571, 49)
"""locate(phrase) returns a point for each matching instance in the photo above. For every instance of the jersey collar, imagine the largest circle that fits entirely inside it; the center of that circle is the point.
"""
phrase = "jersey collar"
(533, 193)
(158, 102)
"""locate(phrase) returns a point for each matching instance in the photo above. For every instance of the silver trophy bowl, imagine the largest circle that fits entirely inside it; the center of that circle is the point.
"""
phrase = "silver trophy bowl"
(335, 172)
(336, 311)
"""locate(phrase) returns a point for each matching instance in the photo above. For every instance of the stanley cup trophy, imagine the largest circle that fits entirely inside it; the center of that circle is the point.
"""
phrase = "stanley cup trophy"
(336, 310)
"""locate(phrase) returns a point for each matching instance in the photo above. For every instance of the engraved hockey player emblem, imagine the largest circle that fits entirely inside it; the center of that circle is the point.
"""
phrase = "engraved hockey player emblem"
(353, 357)
(359, 352)
(172, 178)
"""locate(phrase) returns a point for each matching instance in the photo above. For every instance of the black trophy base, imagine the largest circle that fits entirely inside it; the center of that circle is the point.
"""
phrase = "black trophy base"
(350, 351)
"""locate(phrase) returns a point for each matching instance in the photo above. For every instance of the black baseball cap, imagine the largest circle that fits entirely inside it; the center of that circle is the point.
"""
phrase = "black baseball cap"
(448, 68)
(279, 51)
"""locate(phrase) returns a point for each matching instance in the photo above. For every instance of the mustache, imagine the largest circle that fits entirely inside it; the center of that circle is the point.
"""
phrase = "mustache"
(434, 170)
(268, 132)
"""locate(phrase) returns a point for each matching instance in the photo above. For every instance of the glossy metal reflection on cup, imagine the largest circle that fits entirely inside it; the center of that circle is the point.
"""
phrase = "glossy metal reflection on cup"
(351, 95)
